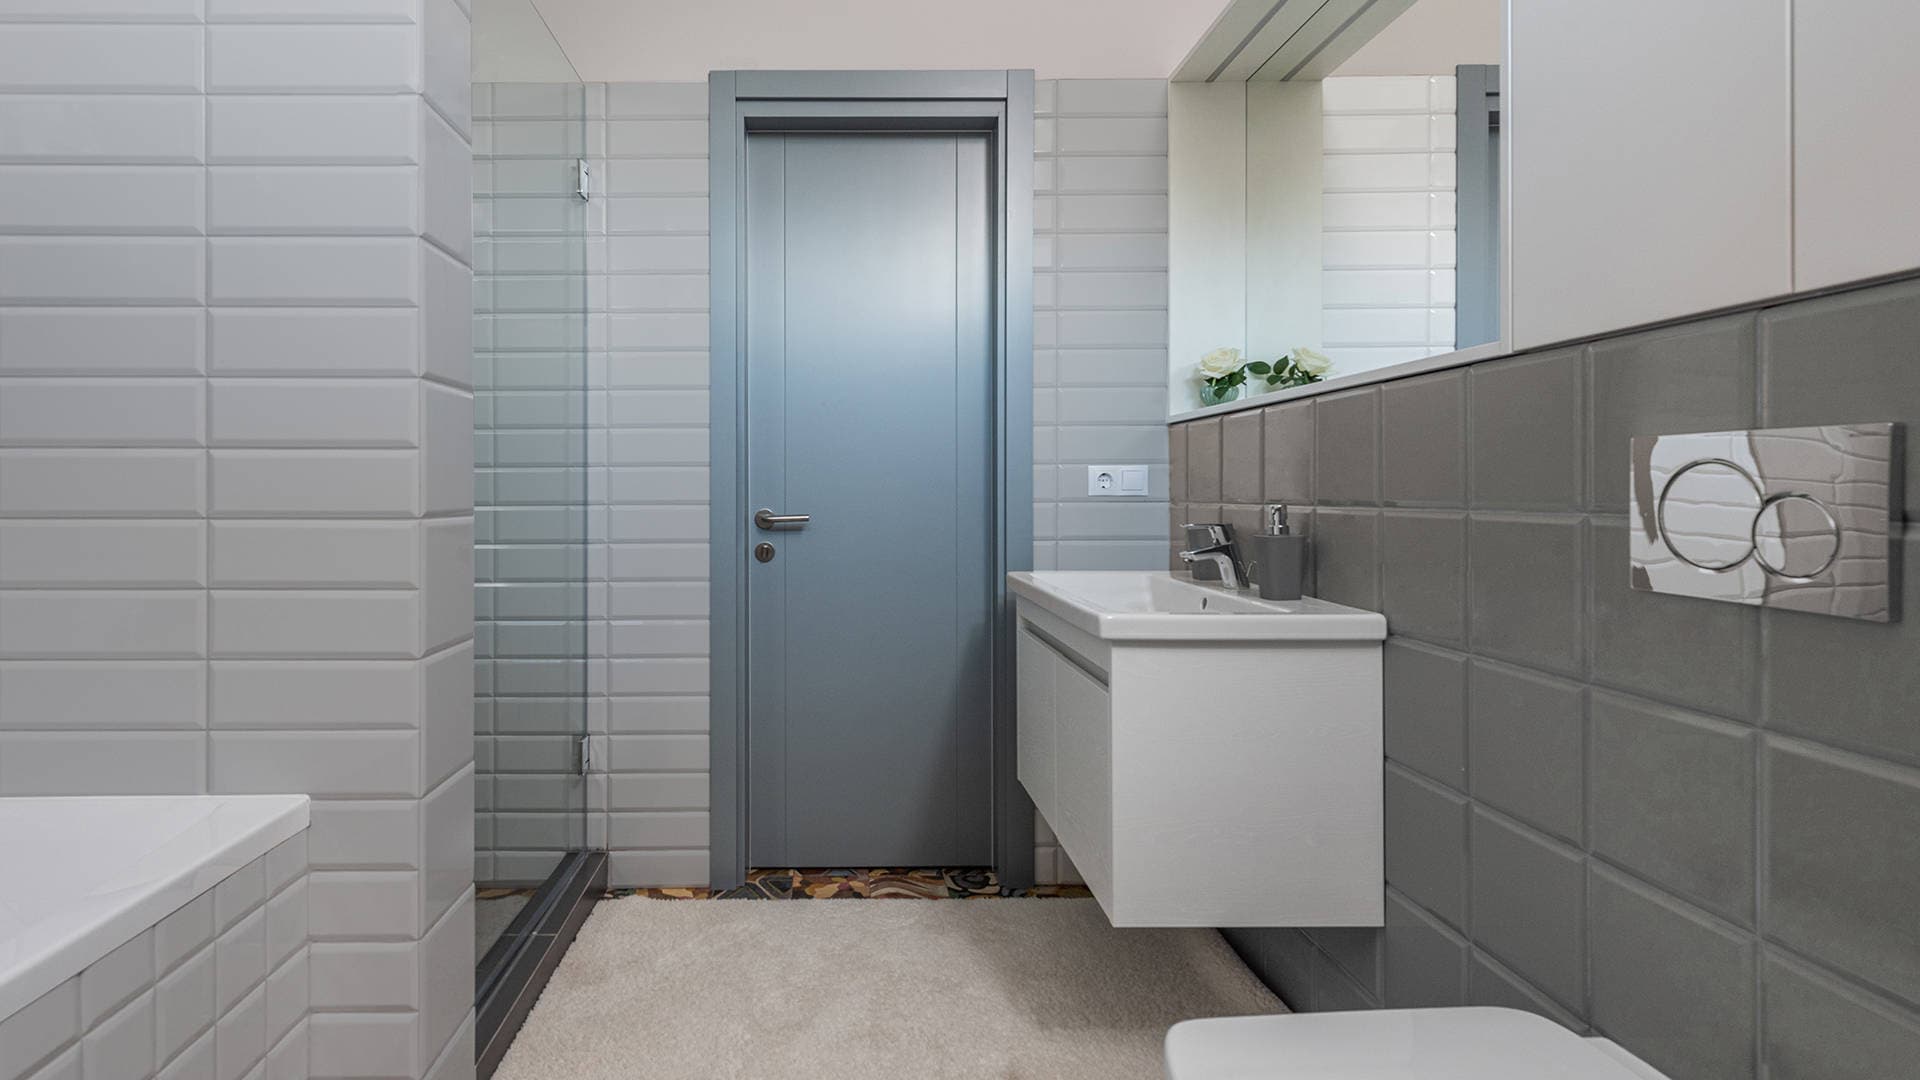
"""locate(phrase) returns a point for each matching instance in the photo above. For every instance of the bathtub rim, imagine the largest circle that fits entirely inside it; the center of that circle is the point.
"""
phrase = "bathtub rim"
(30, 968)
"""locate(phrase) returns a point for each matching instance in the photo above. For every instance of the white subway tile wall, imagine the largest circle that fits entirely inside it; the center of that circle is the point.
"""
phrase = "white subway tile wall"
(1099, 334)
(530, 447)
(1099, 372)
(648, 360)
(236, 474)
(1388, 206)
(219, 987)
(1099, 320)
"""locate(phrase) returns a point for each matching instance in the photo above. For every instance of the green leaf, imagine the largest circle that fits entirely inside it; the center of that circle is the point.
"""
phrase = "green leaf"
(1259, 367)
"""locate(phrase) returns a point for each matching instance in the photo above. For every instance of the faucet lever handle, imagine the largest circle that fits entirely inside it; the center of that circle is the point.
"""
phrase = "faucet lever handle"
(1201, 534)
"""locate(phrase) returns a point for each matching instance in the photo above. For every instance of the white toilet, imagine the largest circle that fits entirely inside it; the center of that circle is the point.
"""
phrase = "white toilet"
(1395, 1044)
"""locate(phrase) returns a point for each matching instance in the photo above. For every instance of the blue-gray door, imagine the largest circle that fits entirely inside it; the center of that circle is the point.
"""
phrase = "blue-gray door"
(869, 402)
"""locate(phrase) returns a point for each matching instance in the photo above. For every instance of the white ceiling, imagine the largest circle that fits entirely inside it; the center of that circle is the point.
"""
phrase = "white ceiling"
(682, 40)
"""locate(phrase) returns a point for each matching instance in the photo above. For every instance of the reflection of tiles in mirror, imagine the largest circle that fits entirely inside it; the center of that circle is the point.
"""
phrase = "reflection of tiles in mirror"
(1799, 517)
(880, 884)
(1848, 471)
(1388, 216)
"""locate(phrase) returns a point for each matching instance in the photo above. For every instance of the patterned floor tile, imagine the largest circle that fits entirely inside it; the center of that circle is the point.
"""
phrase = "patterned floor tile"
(894, 883)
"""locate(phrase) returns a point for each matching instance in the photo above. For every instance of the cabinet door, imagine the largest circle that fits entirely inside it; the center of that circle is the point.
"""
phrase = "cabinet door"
(1651, 158)
(1035, 722)
(1085, 770)
(1856, 132)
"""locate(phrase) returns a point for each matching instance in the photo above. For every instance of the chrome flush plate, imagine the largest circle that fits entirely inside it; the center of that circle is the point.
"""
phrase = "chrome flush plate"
(1793, 518)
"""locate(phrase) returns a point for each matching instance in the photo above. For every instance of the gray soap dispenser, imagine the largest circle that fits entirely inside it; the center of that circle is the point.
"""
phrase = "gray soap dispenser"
(1279, 557)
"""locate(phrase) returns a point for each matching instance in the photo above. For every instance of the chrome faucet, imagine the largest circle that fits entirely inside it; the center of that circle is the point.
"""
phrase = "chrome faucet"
(1213, 544)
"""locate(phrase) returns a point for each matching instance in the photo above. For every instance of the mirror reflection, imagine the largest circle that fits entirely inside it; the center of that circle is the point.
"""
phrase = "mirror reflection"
(1335, 196)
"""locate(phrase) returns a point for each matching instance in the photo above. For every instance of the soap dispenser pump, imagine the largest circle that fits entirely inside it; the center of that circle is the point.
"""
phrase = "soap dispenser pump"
(1279, 556)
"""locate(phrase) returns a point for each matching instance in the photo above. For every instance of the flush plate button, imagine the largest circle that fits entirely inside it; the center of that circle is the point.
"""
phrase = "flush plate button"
(1796, 536)
(1706, 512)
(1794, 518)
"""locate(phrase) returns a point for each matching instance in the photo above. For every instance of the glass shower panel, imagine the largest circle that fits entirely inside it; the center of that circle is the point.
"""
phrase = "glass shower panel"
(530, 453)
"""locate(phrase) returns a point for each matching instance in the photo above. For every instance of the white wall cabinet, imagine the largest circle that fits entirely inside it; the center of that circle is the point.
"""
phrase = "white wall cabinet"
(1856, 131)
(1651, 160)
(1207, 784)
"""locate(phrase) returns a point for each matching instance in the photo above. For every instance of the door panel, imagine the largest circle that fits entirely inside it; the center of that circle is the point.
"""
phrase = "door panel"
(869, 390)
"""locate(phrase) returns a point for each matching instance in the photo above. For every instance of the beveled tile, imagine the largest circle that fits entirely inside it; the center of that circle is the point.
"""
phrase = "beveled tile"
(1288, 448)
(1423, 570)
(1671, 984)
(1848, 682)
(1240, 457)
(1818, 1028)
(1346, 557)
(1526, 735)
(1425, 711)
(1203, 460)
(1423, 431)
(1426, 844)
(1491, 983)
(1524, 431)
(1692, 652)
(1843, 359)
(1529, 906)
(1426, 963)
(1525, 590)
(1177, 463)
(1346, 459)
(1696, 377)
(1334, 990)
(1843, 862)
(1356, 950)
(1673, 800)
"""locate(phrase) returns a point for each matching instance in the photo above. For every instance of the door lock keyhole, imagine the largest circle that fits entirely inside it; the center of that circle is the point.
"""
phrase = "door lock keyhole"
(763, 551)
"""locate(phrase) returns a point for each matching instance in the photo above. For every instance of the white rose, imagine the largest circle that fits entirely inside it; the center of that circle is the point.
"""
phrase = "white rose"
(1220, 362)
(1311, 362)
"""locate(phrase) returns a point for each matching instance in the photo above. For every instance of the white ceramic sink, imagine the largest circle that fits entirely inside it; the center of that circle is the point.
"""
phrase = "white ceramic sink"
(1142, 605)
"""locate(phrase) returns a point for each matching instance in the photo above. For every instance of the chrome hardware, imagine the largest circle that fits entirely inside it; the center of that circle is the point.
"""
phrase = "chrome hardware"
(763, 551)
(1794, 518)
(1212, 545)
(769, 521)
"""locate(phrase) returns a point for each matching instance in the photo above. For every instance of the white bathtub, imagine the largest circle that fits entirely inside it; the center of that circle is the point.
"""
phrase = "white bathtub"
(80, 877)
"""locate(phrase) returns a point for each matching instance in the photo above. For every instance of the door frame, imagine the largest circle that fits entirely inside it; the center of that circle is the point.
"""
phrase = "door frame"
(999, 103)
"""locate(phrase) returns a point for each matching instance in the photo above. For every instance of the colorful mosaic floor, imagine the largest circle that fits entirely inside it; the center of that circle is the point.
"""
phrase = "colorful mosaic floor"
(882, 884)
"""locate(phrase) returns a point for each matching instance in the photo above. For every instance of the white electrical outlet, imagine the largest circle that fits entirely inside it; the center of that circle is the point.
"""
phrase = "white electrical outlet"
(1117, 481)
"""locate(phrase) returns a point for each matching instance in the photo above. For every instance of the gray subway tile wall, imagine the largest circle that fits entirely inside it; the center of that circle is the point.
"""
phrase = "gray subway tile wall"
(1423, 573)
(1426, 710)
(1423, 453)
(1684, 825)
(1696, 1017)
(1526, 743)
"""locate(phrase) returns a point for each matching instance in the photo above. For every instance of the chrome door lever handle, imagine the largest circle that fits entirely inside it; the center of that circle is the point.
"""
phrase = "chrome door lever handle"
(769, 521)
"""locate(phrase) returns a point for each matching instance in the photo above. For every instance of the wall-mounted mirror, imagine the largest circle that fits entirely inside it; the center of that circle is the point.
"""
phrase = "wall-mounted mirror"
(1334, 187)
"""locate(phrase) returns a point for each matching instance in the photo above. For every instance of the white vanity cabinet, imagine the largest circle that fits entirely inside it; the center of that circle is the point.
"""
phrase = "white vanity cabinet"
(1204, 766)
